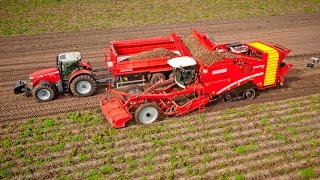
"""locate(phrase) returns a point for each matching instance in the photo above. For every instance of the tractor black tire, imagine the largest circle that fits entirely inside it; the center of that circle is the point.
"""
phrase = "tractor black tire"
(157, 77)
(147, 113)
(83, 86)
(43, 93)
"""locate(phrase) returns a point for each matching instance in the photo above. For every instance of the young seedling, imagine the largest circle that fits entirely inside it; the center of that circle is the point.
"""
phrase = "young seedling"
(308, 173)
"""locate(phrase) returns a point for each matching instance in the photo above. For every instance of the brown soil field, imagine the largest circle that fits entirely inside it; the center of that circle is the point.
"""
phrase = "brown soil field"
(281, 134)
(22, 55)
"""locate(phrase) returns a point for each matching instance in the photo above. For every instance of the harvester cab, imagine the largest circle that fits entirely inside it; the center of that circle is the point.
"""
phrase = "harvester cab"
(184, 70)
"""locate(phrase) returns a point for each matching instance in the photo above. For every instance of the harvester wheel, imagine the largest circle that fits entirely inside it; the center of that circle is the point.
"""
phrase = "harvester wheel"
(249, 94)
(157, 77)
(43, 93)
(134, 89)
(147, 113)
(171, 75)
(83, 85)
(228, 97)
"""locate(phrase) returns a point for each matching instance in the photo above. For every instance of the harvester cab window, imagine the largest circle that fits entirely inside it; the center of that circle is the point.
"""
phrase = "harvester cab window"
(184, 76)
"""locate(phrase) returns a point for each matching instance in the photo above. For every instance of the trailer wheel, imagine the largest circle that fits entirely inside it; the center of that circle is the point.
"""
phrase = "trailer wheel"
(157, 77)
(43, 93)
(83, 85)
(249, 94)
(147, 113)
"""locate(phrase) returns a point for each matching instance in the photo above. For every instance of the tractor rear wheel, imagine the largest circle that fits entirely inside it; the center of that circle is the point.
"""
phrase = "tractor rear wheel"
(43, 93)
(83, 86)
(157, 77)
(147, 113)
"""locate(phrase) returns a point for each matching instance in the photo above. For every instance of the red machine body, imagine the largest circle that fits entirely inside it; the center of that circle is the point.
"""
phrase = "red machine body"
(72, 74)
(244, 70)
(122, 67)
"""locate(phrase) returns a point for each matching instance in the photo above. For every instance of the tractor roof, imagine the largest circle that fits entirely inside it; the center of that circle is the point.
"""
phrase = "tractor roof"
(183, 61)
(69, 56)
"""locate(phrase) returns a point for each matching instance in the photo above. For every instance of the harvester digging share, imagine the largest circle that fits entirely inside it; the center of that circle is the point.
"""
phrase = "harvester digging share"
(235, 71)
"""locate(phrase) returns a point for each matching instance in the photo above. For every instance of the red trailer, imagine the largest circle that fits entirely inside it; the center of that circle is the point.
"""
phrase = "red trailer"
(245, 69)
(126, 71)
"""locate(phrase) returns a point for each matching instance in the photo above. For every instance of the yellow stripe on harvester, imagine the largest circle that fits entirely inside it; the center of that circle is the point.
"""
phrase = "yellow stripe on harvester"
(272, 62)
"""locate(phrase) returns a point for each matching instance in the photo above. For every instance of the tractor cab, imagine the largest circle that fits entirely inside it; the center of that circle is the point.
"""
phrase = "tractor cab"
(183, 70)
(67, 63)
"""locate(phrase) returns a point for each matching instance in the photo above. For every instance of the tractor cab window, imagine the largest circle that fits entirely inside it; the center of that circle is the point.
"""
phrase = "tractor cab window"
(67, 67)
(184, 76)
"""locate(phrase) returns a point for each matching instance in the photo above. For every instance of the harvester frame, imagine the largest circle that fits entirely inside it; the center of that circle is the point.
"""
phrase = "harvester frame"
(254, 66)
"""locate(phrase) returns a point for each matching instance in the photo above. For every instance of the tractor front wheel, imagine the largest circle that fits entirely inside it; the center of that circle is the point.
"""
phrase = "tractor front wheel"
(43, 93)
(147, 113)
(83, 86)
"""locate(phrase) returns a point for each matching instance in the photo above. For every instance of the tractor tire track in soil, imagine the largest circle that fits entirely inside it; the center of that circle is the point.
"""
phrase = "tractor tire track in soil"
(21, 55)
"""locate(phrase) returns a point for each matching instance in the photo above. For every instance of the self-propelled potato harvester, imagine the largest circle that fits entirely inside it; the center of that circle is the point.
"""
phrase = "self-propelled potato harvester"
(244, 69)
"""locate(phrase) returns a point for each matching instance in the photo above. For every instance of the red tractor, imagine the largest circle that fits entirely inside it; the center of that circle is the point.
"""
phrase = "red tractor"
(245, 69)
(72, 74)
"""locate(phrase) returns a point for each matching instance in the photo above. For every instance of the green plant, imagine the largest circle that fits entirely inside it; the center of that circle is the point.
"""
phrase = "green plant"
(94, 175)
(239, 177)
(47, 123)
(107, 169)
(295, 111)
(207, 158)
(307, 173)
(5, 143)
(279, 136)
(83, 157)
(57, 147)
(5, 173)
(149, 168)
(227, 136)
(170, 175)
(245, 148)
(292, 103)
(292, 130)
(149, 157)
(201, 117)
(157, 143)
(313, 142)
(265, 121)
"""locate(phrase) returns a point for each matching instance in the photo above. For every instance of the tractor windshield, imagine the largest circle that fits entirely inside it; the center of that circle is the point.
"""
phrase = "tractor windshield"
(184, 76)
(68, 67)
